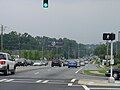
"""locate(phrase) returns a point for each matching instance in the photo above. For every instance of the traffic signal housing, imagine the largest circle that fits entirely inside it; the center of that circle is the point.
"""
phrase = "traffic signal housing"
(45, 3)
(108, 36)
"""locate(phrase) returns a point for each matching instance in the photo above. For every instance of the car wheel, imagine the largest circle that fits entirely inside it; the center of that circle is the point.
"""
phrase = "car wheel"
(59, 65)
(115, 75)
(6, 72)
(13, 72)
(52, 66)
(68, 67)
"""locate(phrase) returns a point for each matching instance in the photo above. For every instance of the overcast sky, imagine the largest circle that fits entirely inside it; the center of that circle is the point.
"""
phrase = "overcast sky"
(80, 20)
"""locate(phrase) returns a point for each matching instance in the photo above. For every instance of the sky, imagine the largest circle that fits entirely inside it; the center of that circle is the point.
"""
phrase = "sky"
(82, 20)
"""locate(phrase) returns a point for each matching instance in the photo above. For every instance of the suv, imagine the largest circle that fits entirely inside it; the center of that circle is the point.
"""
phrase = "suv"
(7, 64)
(56, 62)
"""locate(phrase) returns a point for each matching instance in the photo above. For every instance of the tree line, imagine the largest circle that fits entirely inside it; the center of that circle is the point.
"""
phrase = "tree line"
(29, 47)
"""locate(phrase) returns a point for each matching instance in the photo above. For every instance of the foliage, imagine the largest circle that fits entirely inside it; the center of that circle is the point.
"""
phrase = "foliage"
(30, 47)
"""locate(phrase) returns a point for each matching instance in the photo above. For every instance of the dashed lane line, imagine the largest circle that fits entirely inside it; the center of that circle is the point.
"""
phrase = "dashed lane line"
(9, 80)
(70, 84)
(39, 81)
(45, 81)
(3, 80)
(36, 73)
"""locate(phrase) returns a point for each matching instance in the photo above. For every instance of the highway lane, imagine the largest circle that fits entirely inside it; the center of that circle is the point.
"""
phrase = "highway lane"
(45, 77)
(48, 78)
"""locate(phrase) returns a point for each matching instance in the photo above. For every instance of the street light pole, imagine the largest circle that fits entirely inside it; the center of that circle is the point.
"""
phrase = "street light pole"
(111, 79)
(1, 37)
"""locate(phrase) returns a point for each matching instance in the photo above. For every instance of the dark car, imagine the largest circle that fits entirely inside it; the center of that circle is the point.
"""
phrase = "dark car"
(116, 73)
(21, 62)
(56, 62)
(72, 64)
(65, 63)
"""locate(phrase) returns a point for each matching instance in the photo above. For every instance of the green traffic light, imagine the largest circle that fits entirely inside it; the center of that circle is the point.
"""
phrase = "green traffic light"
(45, 5)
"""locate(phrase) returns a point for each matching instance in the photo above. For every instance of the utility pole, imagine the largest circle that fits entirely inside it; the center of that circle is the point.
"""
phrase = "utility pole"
(1, 38)
(78, 51)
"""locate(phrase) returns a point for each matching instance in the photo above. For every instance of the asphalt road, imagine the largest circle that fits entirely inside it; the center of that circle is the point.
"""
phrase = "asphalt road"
(48, 78)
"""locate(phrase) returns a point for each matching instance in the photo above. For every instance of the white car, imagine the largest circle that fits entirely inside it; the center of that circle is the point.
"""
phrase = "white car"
(37, 63)
(7, 64)
(82, 63)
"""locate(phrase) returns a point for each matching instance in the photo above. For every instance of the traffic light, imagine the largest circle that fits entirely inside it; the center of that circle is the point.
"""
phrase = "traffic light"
(45, 3)
(108, 36)
(112, 37)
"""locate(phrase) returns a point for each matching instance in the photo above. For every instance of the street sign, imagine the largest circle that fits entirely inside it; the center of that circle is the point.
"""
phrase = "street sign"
(55, 44)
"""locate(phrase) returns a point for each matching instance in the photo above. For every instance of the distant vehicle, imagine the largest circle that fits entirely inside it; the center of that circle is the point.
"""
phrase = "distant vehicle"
(86, 62)
(37, 63)
(65, 63)
(82, 63)
(44, 62)
(116, 73)
(72, 64)
(56, 62)
(21, 62)
(7, 64)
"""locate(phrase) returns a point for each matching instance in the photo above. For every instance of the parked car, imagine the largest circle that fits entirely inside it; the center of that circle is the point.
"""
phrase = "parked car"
(72, 64)
(116, 73)
(37, 63)
(7, 64)
(56, 62)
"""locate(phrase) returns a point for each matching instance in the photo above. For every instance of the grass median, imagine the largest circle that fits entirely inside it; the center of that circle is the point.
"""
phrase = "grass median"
(95, 72)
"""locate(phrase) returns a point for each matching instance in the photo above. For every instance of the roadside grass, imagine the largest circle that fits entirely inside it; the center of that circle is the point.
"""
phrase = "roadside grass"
(101, 72)
(95, 72)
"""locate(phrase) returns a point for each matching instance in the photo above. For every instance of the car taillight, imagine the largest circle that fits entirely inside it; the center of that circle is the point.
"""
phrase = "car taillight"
(2, 62)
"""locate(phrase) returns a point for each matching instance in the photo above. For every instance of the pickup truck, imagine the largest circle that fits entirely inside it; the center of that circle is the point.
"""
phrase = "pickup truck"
(116, 73)
(7, 64)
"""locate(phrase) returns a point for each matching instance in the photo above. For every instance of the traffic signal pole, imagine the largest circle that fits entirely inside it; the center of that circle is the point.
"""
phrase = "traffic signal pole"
(111, 78)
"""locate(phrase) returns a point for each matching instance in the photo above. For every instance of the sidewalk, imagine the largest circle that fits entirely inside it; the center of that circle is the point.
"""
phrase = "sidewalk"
(96, 82)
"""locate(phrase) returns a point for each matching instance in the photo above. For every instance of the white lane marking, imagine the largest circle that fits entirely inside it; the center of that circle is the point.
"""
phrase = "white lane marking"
(73, 80)
(70, 84)
(45, 81)
(38, 81)
(3, 80)
(85, 87)
(37, 73)
(78, 70)
(9, 80)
